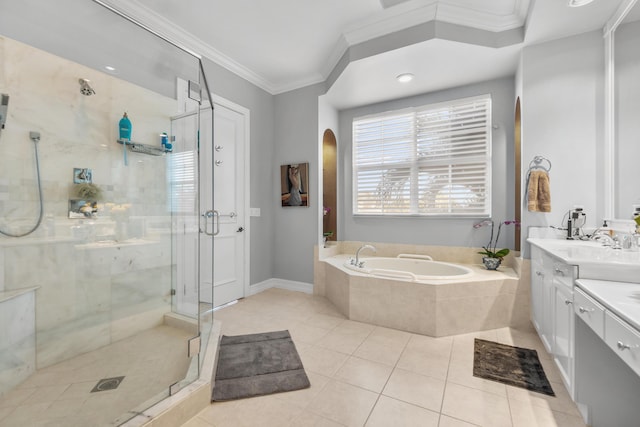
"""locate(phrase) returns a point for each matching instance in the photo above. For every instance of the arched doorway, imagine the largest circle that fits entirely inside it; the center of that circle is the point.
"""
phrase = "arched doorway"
(329, 186)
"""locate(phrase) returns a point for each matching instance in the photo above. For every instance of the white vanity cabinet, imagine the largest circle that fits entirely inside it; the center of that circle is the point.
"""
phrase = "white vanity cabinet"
(585, 308)
(552, 309)
(541, 295)
(563, 328)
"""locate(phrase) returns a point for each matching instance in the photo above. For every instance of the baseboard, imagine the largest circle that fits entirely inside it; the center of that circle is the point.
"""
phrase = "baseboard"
(289, 285)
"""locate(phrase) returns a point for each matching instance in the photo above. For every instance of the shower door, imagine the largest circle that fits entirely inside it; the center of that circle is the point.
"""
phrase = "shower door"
(184, 180)
(194, 218)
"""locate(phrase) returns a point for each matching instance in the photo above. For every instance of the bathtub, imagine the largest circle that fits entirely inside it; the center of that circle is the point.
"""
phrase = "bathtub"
(415, 268)
(430, 297)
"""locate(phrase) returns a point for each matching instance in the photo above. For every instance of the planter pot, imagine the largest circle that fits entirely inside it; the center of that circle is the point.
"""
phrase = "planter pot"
(491, 263)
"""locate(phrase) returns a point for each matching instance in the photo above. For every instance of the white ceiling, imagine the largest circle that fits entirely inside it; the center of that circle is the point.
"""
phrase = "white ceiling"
(281, 45)
(436, 64)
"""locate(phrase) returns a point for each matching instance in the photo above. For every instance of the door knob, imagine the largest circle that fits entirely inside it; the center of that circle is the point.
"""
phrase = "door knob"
(240, 230)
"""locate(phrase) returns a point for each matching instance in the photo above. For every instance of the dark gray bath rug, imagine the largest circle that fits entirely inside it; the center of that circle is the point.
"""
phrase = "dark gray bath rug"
(514, 366)
(257, 364)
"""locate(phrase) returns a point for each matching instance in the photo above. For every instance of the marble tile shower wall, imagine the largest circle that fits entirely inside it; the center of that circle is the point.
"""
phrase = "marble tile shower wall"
(92, 289)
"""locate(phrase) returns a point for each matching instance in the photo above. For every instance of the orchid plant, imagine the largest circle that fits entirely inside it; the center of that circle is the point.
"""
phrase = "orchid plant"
(491, 249)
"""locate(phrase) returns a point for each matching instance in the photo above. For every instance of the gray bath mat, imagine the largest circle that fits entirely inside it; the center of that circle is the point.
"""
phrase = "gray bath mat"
(515, 366)
(257, 364)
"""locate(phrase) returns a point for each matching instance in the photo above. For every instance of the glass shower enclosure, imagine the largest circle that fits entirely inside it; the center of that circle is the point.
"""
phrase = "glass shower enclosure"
(100, 313)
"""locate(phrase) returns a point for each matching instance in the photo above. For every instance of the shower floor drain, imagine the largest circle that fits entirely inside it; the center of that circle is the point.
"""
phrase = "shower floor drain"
(107, 384)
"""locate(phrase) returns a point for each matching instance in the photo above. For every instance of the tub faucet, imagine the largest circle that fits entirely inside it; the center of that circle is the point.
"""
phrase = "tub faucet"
(356, 261)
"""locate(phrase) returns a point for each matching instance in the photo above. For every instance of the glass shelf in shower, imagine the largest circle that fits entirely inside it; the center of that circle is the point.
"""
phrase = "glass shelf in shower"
(137, 147)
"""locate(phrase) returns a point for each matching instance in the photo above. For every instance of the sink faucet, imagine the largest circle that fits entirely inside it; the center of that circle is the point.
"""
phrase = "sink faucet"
(356, 261)
(607, 240)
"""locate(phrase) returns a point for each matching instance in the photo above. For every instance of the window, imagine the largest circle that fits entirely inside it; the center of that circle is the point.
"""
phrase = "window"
(433, 160)
(182, 182)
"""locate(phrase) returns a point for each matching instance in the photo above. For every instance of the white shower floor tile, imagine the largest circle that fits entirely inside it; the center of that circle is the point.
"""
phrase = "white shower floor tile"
(60, 395)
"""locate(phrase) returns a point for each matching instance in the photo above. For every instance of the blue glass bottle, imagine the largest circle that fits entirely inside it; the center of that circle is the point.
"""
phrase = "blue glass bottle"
(125, 128)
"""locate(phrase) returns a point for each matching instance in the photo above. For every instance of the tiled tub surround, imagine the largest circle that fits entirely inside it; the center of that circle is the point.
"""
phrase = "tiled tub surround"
(17, 337)
(485, 300)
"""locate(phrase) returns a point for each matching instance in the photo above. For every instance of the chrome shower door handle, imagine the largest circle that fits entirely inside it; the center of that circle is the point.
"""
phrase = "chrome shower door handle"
(208, 214)
(211, 214)
(216, 214)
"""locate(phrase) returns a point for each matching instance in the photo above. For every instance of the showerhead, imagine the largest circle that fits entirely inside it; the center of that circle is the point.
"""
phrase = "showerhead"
(85, 89)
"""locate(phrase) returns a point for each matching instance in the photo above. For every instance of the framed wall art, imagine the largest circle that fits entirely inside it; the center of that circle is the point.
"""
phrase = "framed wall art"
(294, 182)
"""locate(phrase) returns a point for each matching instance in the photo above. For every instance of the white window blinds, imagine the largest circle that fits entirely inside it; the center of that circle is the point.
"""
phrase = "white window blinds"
(182, 181)
(430, 161)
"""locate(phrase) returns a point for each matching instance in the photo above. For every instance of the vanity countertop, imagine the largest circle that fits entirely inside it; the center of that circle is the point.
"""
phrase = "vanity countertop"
(594, 261)
(621, 298)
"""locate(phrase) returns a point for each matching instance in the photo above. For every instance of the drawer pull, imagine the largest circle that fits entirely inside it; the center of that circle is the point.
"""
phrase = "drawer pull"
(539, 273)
(586, 310)
(559, 271)
(568, 302)
(623, 346)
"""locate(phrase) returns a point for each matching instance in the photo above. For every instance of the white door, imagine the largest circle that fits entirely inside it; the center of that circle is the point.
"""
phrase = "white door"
(228, 224)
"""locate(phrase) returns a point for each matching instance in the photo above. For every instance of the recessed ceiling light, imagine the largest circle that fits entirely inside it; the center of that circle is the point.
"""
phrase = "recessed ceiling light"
(405, 78)
(109, 68)
(578, 3)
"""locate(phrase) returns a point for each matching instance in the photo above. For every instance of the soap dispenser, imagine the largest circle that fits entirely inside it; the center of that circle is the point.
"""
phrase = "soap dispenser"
(125, 128)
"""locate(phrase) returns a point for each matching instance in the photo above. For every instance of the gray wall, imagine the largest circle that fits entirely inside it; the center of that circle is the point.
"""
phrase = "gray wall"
(432, 231)
(262, 174)
(296, 228)
(562, 117)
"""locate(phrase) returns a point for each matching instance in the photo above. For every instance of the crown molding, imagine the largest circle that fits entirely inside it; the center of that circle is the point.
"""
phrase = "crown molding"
(336, 55)
(298, 84)
(617, 18)
(414, 12)
(482, 20)
(404, 15)
(184, 40)
(400, 16)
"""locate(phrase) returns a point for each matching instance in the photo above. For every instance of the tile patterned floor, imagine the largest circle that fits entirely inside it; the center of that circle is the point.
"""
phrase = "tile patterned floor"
(60, 395)
(364, 375)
